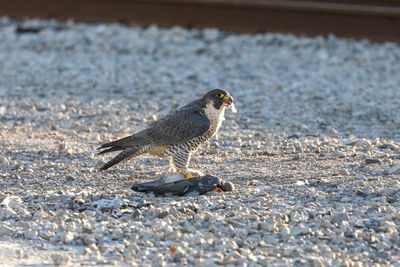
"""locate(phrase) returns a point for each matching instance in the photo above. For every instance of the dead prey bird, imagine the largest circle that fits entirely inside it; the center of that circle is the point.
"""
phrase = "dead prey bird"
(177, 135)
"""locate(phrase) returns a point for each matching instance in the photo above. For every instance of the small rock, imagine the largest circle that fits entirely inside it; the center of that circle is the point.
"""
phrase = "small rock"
(340, 154)
(38, 212)
(394, 169)
(344, 171)
(62, 146)
(340, 217)
(6, 231)
(88, 239)
(59, 259)
(178, 254)
(7, 213)
(301, 230)
(162, 214)
(227, 186)
(14, 202)
(360, 176)
(46, 234)
(107, 205)
(266, 226)
(348, 142)
(19, 253)
(210, 34)
(137, 214)
(67, 237)
(70, 178)
(350, 233)
(390, 146)
(285, 233)
(87, 251)
(230, 259)
(332, 131)
(365, 143)
(315, 262)
(79, 201)
(372, 161)
(30, 234)
(363, 192)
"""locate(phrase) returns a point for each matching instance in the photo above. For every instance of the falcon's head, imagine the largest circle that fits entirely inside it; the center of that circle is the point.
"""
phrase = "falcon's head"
(221, 99)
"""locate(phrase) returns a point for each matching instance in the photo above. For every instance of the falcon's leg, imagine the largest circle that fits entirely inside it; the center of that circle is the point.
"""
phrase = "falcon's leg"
(180, 161)
(172, 167)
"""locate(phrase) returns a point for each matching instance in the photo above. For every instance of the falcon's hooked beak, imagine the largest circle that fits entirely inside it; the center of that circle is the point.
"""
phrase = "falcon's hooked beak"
(228, 100)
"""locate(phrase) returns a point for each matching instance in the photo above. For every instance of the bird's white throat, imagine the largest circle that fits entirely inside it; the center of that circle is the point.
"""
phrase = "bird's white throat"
(215, 115)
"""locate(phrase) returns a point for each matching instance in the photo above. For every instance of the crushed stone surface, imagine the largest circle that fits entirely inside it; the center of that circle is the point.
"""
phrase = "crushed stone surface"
(313, 151)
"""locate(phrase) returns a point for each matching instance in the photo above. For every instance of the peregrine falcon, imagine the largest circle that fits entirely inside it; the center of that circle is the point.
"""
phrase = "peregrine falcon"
(177, 135)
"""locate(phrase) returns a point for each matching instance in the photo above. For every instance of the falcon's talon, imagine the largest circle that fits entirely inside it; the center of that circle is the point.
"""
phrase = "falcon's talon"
(190, 175)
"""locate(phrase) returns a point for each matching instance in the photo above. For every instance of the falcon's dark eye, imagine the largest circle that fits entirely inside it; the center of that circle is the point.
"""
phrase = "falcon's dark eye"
(220, 95)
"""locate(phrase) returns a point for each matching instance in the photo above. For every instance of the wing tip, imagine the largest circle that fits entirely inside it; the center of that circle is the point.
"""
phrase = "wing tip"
(104, 167)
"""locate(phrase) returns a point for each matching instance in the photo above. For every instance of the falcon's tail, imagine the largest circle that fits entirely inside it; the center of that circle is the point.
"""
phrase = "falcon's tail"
(121, 144)
(132, 146)
(120, 157)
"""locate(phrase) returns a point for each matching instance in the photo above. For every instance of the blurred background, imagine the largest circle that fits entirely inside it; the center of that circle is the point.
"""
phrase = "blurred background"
(377, 20)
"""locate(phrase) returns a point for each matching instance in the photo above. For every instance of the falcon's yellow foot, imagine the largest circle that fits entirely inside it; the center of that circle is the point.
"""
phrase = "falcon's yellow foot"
(193, 173)
(190, 175)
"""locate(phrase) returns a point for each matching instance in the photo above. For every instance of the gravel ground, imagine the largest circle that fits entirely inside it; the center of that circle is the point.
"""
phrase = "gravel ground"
(313, 150)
